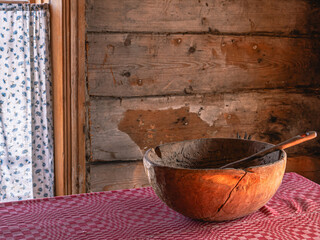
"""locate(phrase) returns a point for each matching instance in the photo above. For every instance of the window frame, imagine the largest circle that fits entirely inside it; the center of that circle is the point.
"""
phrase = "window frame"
(69, 95)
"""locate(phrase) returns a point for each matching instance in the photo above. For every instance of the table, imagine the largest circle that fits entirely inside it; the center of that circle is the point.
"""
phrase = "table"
(293, 213)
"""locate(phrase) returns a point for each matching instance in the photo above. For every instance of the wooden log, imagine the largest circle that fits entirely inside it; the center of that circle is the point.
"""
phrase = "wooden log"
(307, 166)
(311, 175)
(124, 129)
(143, 64)
(249, 16)
(114, 176)
(127, 175)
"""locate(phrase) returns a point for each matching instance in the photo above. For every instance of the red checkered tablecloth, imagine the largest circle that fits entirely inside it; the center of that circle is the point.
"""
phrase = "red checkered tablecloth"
(293, 213)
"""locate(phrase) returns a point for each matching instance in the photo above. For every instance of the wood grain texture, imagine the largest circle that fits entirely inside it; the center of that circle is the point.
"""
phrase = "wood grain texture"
(210, 69)
(243, 16)
(68, 57)
(58, 76)
(143, 64)
(77, 95)
(124, 129)
(82, 95)
(307, 166)
(114, 176)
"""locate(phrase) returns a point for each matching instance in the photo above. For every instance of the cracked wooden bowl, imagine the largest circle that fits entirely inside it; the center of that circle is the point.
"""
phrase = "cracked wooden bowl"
(186, 176)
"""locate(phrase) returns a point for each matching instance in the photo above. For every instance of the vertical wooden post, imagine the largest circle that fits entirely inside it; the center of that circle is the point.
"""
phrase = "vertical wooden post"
(57, 46)
(77, 94)
(68, 63)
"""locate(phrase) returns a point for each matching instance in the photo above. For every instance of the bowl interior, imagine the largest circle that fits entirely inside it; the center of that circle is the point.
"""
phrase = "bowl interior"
(211, 153)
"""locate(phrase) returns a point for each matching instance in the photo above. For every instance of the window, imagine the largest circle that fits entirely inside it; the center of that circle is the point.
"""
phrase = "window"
(68, 36)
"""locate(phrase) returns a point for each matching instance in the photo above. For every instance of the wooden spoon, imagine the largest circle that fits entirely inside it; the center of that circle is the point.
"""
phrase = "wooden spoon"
(286, 144)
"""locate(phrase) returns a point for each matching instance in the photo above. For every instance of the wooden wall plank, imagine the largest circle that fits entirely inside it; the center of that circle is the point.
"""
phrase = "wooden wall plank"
(81, 98)
(124, 129)
(77, 93)
(127, 175)
(210, 69)
(145, 64)
(282, 17)
(307, 166)
(58, 78)
(68, 60)
(114, 176)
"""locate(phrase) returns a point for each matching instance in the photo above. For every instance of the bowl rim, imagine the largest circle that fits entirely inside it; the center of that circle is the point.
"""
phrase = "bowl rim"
(145, 156)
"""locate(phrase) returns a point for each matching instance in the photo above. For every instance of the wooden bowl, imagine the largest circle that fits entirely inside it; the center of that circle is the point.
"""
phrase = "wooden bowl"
(186, 176)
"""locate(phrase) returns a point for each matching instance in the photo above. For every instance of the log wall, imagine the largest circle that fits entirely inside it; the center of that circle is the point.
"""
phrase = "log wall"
(167, 70)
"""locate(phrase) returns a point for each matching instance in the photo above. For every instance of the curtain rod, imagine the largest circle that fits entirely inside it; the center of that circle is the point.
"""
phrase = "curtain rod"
(30, 1)
(15, 1)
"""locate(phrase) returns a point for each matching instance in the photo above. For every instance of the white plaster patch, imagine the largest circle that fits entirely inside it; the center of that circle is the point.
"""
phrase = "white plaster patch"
(209, 114)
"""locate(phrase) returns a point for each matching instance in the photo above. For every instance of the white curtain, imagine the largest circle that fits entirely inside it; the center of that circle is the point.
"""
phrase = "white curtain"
(26, 125)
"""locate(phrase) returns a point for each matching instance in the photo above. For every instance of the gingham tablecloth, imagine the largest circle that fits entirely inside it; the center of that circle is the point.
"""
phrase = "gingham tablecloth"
(293, 213)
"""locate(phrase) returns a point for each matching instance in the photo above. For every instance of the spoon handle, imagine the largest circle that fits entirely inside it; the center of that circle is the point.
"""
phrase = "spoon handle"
(283, 145)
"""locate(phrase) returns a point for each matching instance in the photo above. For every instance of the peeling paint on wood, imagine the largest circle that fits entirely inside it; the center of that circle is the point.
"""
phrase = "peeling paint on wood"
(210, 69)
(127, 130)
(147, 127)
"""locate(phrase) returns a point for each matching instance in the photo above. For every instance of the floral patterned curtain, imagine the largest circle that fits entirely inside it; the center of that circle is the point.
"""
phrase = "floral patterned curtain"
(26, 127)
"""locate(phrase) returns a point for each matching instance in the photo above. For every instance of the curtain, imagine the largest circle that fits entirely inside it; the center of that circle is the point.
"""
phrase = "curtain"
(26, 124)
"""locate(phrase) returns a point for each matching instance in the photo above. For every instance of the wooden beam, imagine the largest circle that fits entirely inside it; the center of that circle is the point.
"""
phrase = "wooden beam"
(114, 176)
(307, 166)
(123, 65)
(77, 95)
(57, 53)
(290, 17)
(122, 129)
(68, 39)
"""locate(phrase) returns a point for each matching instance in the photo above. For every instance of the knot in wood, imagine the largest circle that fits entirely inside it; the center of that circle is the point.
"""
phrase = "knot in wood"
(126, 74)
(192, 49)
